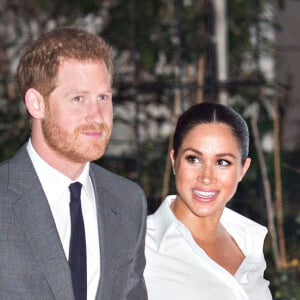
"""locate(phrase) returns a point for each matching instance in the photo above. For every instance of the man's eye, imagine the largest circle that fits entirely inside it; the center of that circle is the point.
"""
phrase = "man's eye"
(77, 98)
(102, 97)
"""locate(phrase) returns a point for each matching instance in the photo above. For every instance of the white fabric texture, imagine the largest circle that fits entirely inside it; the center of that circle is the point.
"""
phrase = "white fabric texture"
(178, 269)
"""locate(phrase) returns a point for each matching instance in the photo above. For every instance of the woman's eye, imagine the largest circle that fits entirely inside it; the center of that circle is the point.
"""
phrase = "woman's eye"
(223, 162)
(192, 159)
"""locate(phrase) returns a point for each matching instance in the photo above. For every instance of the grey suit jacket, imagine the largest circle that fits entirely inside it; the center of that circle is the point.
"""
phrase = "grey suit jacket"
(32, 261)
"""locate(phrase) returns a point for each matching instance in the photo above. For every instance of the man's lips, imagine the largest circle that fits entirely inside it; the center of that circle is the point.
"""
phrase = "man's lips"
(94, 134)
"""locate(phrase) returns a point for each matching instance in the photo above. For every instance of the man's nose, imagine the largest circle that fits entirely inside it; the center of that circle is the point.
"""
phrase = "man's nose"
(94, 113)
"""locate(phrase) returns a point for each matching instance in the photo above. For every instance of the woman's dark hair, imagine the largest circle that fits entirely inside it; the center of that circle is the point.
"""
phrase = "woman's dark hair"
(206, 112)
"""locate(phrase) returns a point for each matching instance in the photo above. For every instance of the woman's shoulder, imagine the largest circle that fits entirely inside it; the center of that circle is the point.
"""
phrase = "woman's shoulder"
(230, 216)
(248, 234)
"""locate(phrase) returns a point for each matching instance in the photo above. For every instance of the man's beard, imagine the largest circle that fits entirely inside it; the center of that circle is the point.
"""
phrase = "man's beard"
(72, 145)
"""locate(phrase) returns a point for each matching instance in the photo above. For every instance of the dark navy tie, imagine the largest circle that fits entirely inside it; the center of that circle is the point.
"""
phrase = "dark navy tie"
(77, 250)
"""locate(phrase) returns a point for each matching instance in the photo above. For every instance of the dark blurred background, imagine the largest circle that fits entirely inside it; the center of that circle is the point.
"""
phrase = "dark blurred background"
(168, 55)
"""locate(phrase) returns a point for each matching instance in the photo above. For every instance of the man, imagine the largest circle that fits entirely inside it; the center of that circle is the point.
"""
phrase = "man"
(65, 79)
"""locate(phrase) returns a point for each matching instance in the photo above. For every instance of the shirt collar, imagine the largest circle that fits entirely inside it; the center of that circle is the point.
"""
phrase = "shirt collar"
(248, 234)
(164, 219)
(53, 182)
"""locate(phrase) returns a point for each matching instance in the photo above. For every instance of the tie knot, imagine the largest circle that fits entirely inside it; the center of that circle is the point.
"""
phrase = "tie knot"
(75, 190)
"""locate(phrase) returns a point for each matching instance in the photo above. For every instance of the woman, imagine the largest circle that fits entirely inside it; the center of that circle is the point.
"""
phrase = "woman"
(196, 248)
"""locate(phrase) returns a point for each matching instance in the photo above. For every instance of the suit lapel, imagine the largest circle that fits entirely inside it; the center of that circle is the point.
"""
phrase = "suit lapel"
(108, 228)
(34, 215)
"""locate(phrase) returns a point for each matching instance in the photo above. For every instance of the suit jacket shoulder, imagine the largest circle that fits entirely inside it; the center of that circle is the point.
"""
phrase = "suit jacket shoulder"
(32, 260)
(114, 182)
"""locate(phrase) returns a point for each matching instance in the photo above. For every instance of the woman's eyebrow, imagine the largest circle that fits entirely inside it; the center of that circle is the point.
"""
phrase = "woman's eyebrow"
(218, 154)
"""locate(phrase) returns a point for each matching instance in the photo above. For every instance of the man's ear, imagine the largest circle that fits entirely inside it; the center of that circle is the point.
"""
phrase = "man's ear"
(34, 102)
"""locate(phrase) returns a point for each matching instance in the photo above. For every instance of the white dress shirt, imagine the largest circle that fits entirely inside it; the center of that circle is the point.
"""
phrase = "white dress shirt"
(56, 188)
(178, 269)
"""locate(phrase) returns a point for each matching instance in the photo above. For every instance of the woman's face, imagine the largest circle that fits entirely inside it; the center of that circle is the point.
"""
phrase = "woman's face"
(207, 169)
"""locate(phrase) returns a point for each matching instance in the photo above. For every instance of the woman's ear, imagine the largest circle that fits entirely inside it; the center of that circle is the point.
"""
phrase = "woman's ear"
(34, 102)
(245, 168)
(172, 160)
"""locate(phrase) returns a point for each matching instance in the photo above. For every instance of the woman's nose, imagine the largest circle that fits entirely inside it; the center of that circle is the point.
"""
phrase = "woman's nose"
(206, 174)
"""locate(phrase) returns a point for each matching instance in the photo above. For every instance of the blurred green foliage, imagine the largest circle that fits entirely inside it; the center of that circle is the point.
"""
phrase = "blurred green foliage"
(181, 31)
